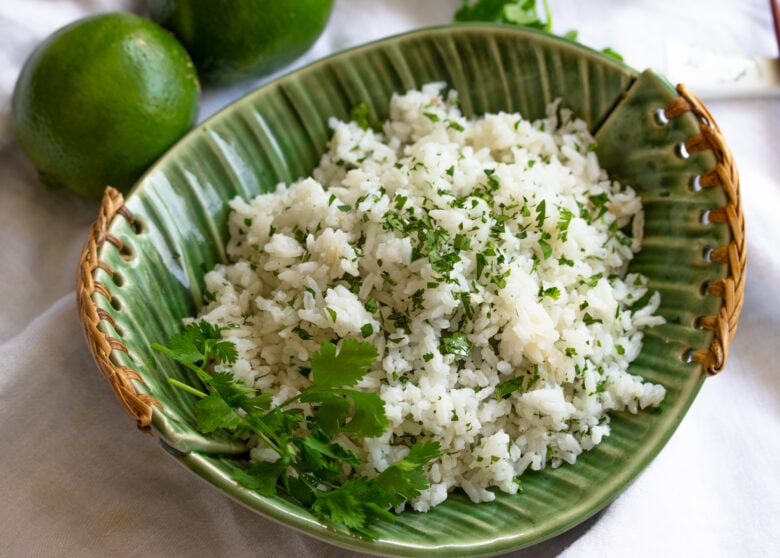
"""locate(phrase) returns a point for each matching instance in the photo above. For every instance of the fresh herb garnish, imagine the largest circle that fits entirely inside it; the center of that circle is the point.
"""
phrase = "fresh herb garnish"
(590, 320)
(310, 464)
(523, 13)
(518, 12)
(600, 202)
(360, 116)
(457, 344)
(546, 248)
(508, 387)
(517, 384)
(553, 292)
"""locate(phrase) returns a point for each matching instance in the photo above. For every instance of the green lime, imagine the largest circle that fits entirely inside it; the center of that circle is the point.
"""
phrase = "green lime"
(231, 40)
(101, 99)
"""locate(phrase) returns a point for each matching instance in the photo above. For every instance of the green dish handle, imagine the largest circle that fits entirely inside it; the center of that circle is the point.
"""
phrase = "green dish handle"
(120, 377)
(734, 255)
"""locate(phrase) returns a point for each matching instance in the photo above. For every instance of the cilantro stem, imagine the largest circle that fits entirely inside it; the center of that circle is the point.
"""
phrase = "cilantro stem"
(263, 435)
(547, 17)
(202, 374)
(290, 401)
(186, 387)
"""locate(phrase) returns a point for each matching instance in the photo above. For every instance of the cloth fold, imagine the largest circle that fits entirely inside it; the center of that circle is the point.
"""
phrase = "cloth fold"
(79, 480)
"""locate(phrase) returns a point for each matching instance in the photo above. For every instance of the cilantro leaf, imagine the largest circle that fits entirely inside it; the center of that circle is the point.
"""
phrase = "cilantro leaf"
(508, 387)
(340, 506)
(405, 479)
(481, 10)
(199, 343)
(326, 449)
(183, 349)
(224, 351)
(523, 13)
(368, 417)
(261, 476)
(419, 455)
(368, 414)
(332, 412)
(214, 413)
(361, 500)
(345, 368)
(234, 392)
(518, 12)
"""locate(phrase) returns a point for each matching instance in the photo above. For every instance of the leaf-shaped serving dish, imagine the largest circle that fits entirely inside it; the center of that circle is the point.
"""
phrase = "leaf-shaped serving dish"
(142, 268)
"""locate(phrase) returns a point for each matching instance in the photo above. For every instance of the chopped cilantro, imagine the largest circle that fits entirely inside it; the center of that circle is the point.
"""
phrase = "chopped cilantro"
(508, 387)
(609, 51)
(546, 248)
(371, 305)
(600, 202)
(522, 12)
(563, 260)
(541, 213)
(462, 242)
(302, 333)
(455, 125)
(457, 344)
(360, 115)
(590, 320)
(563, 224)
(553, 292)
(593, 280)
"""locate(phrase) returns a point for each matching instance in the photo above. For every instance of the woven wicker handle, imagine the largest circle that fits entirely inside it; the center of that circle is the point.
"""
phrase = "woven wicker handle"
(119, 377)
(734, 255)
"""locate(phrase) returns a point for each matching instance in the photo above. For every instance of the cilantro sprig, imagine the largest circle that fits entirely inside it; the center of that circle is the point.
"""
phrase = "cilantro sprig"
(523, 13)
(518, 12)
(311, 463)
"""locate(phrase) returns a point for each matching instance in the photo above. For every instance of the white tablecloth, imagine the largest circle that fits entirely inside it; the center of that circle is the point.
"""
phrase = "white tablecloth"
(77, 478)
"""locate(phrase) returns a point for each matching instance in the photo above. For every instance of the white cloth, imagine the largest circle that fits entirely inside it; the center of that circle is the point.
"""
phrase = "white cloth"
(77, 479)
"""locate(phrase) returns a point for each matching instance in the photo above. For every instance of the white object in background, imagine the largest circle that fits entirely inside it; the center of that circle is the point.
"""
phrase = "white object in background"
(716, 75)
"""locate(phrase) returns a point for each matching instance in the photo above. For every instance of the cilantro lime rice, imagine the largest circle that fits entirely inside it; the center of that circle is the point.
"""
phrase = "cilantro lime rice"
(484, 258)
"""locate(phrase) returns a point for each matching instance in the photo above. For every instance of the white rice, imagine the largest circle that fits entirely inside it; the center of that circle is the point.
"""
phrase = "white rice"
(551, 303)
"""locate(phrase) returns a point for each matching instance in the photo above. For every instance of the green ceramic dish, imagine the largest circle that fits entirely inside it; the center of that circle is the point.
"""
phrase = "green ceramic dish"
(278, 132)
